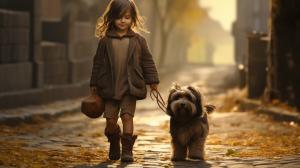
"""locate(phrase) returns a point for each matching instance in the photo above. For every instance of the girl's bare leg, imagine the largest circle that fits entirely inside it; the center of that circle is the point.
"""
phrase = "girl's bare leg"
(127, 121)
(111, 125)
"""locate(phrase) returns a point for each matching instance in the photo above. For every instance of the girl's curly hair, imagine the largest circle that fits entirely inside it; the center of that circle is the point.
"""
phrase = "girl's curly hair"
(115, 10)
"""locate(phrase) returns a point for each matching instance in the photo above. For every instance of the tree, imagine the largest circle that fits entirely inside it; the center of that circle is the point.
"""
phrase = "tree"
(174, 14)
(283, 61)
(85, 10)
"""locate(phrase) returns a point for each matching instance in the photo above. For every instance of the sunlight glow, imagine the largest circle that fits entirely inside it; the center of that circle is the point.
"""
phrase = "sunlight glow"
(222, 10)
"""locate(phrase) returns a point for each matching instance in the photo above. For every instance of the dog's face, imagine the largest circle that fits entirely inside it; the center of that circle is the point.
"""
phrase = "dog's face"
(184, 103)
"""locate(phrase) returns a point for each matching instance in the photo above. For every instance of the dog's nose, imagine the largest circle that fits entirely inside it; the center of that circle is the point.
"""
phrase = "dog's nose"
(182, 104)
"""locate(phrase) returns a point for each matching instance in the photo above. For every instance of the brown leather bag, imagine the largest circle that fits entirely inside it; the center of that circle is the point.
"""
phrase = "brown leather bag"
(92, 106)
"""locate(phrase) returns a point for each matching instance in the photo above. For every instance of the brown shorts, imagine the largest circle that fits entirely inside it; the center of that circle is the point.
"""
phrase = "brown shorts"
(127, 105)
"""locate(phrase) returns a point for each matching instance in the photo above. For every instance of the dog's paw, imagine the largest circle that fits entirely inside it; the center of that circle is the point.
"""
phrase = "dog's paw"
(177, 159)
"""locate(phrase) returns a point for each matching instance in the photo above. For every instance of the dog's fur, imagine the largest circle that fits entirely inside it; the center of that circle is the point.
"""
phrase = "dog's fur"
(188, 124)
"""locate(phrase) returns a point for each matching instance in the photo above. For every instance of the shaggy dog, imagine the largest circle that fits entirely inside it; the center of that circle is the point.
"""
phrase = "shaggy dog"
(188, 124)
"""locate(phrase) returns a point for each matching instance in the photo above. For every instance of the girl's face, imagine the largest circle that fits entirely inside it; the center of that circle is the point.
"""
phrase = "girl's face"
(124, 22)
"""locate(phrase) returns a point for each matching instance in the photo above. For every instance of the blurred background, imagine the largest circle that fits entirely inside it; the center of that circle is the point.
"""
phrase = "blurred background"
(47, 46)
(243, 54)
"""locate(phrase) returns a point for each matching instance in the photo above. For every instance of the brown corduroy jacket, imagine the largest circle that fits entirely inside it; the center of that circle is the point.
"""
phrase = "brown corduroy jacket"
(141, 67)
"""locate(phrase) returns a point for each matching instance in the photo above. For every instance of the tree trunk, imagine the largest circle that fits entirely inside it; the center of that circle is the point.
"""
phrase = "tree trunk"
(284, 65)
(163, 49)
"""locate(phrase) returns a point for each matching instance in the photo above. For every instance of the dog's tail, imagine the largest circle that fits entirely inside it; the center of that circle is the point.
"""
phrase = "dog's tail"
(210, 108)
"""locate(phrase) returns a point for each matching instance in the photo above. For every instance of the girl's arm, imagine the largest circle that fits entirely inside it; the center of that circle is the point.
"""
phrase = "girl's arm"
(96, 66)
(148, 65)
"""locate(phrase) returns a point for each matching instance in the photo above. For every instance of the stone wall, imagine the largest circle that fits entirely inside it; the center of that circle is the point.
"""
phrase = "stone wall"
(15, 68)
(44, 56)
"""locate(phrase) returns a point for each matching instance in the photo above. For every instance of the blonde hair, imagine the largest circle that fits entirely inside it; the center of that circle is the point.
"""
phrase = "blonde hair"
(114, 10)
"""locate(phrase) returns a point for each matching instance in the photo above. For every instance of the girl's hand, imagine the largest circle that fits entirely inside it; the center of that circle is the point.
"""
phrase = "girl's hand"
(153, 86)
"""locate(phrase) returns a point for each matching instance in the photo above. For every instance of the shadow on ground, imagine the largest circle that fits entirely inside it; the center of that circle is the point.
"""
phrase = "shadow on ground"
(181, 164)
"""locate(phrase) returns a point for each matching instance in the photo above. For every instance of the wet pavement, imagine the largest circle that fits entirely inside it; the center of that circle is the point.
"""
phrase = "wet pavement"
(236, 139)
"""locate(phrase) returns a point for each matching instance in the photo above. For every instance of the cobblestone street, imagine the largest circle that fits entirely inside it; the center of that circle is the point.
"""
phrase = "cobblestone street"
(236, 139)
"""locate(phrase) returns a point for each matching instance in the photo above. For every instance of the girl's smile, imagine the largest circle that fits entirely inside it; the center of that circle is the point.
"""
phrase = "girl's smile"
(124, 23)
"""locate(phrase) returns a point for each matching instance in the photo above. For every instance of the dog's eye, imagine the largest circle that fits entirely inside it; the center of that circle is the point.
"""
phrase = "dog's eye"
(189, 97)
(176, 97)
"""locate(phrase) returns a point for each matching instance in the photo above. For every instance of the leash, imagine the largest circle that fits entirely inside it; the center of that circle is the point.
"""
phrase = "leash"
(155, 95)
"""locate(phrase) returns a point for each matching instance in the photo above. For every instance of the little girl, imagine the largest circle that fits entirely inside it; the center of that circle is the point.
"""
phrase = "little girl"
(122, 67)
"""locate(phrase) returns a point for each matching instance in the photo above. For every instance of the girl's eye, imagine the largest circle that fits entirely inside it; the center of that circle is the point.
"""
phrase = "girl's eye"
(123, 17)
(120, 17)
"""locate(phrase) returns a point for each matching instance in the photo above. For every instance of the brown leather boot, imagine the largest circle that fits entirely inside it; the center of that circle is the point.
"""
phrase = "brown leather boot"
(127, 141)
(114, 147)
